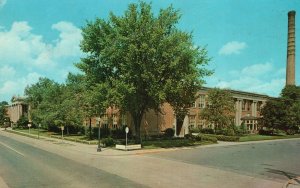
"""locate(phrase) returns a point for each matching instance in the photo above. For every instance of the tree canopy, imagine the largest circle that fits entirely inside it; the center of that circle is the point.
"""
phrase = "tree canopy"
(142, 60)
(220, 109)
(3, 112)
(283, 113)
(53, 104)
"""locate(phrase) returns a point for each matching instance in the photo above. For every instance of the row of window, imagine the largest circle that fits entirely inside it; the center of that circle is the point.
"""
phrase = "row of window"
(201, 103)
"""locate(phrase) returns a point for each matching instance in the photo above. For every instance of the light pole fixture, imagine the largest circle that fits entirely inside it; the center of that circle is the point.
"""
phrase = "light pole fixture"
(99, 133)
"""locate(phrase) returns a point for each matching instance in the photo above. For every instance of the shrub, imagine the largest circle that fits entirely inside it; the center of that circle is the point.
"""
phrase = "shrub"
(108, 142)
(169, 132)
(188, 136)
(207, 131)
(194, 130)
(265, 132)
(228, 138)
(205, 138)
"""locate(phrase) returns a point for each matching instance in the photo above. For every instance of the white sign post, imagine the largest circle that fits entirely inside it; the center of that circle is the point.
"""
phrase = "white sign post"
(29, 125)
(126, 130)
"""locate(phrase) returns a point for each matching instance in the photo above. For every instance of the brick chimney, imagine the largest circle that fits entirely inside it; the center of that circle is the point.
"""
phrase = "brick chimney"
(290, 63)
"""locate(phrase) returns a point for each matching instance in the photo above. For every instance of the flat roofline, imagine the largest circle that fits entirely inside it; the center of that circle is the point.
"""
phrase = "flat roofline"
(241, 92)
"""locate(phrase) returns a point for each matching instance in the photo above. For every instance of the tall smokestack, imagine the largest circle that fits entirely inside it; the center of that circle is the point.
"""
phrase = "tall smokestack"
(290, 64)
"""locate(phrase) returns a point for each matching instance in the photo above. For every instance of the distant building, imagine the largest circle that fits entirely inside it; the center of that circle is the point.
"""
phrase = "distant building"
(17, 109)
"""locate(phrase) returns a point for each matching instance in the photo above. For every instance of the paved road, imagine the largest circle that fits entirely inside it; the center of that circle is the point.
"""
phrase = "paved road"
(22, 165)
(41, 163)
(279, 160)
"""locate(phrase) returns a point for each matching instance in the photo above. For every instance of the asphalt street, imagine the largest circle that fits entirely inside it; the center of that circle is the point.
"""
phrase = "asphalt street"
(27, 162)
(22, 166)
(272, 160)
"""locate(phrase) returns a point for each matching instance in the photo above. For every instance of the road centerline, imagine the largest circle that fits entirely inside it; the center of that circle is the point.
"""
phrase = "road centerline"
(12, 149)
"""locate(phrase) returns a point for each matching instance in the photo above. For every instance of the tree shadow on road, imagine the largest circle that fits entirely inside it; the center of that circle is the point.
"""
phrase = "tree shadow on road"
(289, 175)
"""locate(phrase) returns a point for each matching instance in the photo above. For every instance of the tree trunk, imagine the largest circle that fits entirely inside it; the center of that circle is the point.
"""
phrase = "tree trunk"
(68, 130)
(179, 124)
(137, 119)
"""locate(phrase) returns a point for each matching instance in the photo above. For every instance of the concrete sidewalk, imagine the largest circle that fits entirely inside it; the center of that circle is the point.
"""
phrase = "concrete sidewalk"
(92, 149)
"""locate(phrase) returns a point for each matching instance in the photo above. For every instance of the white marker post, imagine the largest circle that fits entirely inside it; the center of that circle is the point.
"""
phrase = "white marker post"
(29, 125)
(126, 130)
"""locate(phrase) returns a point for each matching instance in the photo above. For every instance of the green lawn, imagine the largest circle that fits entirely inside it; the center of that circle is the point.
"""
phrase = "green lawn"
(172, 143)
(46, 133)
(255, 137)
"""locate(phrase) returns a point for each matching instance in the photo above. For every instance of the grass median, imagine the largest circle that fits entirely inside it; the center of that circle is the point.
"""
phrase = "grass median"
(256, 137)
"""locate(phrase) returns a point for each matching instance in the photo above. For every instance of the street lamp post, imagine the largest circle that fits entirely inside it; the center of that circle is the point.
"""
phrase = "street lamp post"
(39, 130)
(62, 133)
(99, 132)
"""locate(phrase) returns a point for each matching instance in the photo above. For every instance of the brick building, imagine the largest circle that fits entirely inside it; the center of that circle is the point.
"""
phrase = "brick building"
(247, 110)
(17, 109)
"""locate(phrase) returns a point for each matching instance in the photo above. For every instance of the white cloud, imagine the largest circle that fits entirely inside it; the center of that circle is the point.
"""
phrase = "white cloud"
(258, 78)
(7, 72)
(233, 47)
(17, 86)
(70, 36)
(25, 56)
(257, 69)
(2, 3)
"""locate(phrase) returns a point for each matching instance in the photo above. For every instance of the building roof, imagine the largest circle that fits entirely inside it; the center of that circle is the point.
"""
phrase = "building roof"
(249, 118)
(245, 93)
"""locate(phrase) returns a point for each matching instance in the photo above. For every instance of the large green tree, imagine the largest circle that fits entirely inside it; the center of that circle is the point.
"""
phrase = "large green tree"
(143, 60)
(44, 98)
(220, 109)
(3, 112)
(283, 112)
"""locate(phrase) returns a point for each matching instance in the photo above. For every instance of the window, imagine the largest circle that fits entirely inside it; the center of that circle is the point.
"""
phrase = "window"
(248, 106)
(193, 105)
(105, 126)
(192, 119)
(243, 105)
(258, 105)
(201, 101)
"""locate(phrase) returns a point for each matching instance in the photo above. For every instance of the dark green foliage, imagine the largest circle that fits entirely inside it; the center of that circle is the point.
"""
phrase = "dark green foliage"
(266, 132)
(226, 132)
(228, 138)
(54, 105)
(169, 132)
(108, 142)
(3, 113)
(23, 122)
(202, 137)
(283, 113)
(241, 130)
(220, 110)
(194, 130)
(207, 131)
(169, 143)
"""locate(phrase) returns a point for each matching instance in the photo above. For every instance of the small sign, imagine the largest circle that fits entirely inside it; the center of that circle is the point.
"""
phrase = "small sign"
(62, 128)
(29, 125)
(126, 129)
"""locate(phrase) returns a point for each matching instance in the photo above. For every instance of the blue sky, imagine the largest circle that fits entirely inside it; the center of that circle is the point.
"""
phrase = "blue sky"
(247, 40)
